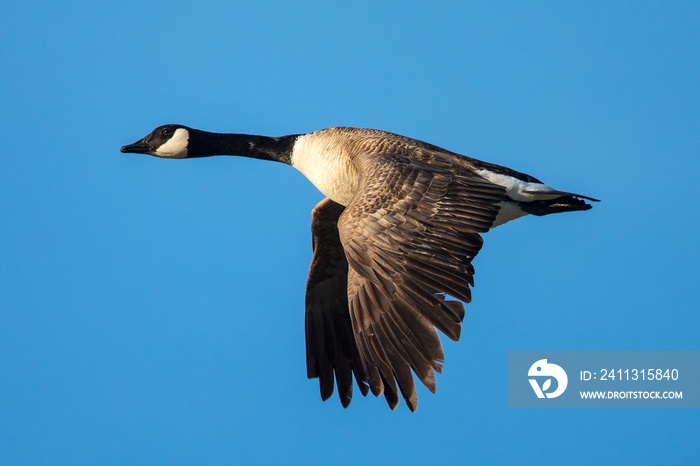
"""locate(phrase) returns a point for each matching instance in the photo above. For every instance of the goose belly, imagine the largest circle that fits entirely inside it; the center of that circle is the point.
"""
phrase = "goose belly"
(509, 211)
(327, 167)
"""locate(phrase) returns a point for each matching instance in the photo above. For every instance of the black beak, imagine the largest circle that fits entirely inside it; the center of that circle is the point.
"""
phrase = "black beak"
(139, 147)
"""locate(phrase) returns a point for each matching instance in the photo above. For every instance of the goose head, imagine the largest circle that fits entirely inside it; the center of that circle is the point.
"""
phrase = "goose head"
(167, 141)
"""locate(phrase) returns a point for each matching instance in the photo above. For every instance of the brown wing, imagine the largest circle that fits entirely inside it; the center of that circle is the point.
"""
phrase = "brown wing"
(330, 344)
(409, 234)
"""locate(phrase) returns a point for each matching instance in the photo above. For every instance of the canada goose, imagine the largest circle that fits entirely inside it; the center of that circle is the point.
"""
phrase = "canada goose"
(392, 242)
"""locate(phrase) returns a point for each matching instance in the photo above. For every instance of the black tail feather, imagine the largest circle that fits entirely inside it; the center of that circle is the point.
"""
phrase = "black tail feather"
(554, 206)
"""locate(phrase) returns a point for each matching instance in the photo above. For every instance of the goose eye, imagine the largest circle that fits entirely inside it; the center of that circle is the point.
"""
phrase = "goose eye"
(167, 132)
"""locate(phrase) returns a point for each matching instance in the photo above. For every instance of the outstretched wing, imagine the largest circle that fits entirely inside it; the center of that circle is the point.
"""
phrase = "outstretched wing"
(409, 235)
(330, 344)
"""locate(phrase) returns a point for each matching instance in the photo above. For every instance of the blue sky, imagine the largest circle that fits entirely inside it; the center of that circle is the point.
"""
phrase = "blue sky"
(151, 311)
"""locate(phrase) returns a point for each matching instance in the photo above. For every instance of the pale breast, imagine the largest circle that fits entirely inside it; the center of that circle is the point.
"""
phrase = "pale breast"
(321, 158)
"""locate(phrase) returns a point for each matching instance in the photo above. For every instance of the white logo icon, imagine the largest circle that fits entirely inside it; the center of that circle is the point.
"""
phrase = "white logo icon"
(543, 369)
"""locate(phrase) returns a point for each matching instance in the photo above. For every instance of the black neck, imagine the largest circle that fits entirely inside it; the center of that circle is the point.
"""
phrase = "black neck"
(206, 144)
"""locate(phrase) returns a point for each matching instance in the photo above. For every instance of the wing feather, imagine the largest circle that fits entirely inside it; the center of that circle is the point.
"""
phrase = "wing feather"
(331, 352)
(409, 234)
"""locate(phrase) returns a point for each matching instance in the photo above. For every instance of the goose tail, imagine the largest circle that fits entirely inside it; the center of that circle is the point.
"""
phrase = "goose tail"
(566, 202)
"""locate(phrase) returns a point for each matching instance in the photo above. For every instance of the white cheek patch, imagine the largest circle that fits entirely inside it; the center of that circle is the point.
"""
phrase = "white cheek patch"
(176, 146)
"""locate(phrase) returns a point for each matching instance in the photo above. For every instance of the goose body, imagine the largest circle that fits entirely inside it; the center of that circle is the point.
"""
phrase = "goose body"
(393, 242)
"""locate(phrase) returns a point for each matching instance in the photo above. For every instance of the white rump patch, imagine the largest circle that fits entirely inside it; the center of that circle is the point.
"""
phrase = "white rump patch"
(176, 146)
(517, 189)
